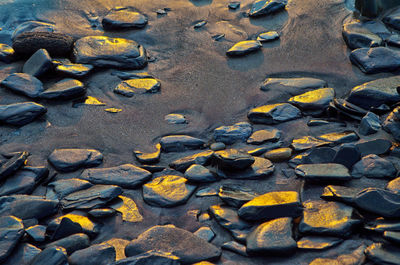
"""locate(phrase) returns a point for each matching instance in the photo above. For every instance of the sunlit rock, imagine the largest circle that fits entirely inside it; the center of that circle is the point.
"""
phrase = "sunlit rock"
(51, 255)
(308, 142)
(266, 135)
(265, 148)
(72, 243)
(98, 254)
(394, 185)
(11, 166)
(339, 137)
(21, 113)
(123, 18)
(318, 243)
(181, 243)
(375, 60)
(317, 155)
(356, 35)
(340, 193)
(119, 244)
(64, 89)
(102, 212)
(261, 168)
(132, 87)
(27, 207)
(236, 195)
(293, 86)
(273, 114)
(11, 230)
(373, 166)
(149, 258)
(268, 36)
(279, 154)
(376, 146)
(86, 225)
(207, 191)
(323, 172)
(201, 158)
(64, 187)
(6, 53)
(378, 201)
(101, 51)
(272, 205)
(200, 24)
(392, 123)
(380, 253)
(24, 84)
(315, 100)
(23, 181)
(74, 70)
(127, 207)
(179, 143)
(244, 47)
(113, 110)
(148, 158)
(57, 44)
(23, 254)
(175, 118)
(381, 225)
(199, 173)
(266, 7)
(355, 258)
(232, 159)
(67, 160)
(230, 134)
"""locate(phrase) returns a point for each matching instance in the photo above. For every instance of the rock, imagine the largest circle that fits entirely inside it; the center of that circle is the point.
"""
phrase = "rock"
(235, 195)
(379, 253)
(101, 213)
(356, 35)
(323, 172)
(327, 218)
(57, 44)
(266, 7)
(168, 238)
(235, 247)
(234, 5)
(272, 205)
(22, 255)
(392, 123)
(217, 146)
(24, 84)
(72, 243)
(315, 100)
(20, 114)
(126, 176)
(95, 196)
(66, 228)
(265, 148)
(318, 243)
(373, 166)
(119, 244)
(375, 60)
(340, 194)
(244, 47)
(393, 40)
(318, 155)
(123, 18)
(339, 137)
(355, 258)
(37, 232)
(101, 51)
(293, 86)
(205, 192)
(64, 89)
(319, 122)
(394, 185)
(200, 24)
(11, 166)
(51, 255)
(38, 64)
(266, 135)
(232, 159)
(380, 202)
(79, 218)
(369, 124)
(175, 118)
(127, 207)
(68, 160)
(228, 218)
(148, 158)
(27, 207)
(268, 36)
(261, 168)
(32, 26)
(307, 142)
(149, 258)
(6, 53)
(381, 225)
(393, 18)
(179, 143)
(11, 231)
(272, 237)
(199, 173)
(132, 87)
(376, 146)
(273, 114)
(375, 93)
(167, 191)
(230, 134)
(392, 236)
(64, 187)
(202, 158)
(347, 155)
(205, 233)
(98, 254)
(74, 70)
(279, 155)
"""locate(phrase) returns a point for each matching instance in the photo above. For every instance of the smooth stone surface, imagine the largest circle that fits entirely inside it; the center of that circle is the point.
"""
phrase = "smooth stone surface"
(137, 86)
(355, 258)
(24, 84)
(376, 146)
(37, 232)
(392, 236)
(66, 228)
(266, 135)
(394, 185)
(293, 86)
(101, 51)
(148, 158)
(265, 148)
(340, 193)
(27, 207)
(149, 258)
(95, 196)
(393, 18)
(11, 231)
(57, 44)
(79, 218)
(273, 237)
(98, 254)
(64, 89)
(74, 69)
(102, 213)
(67, 160)
(38, 64)
(261, 168)
(23, 254)
(12, 165)
(379, 253)
(392, 123)
(232, 159)
(217, 146)
(318, 99)
(236, 195)
(179, 242)
(230, 134)
(175, 118)
(64, 187)
(266, 7)
(273, 114)
(378, 201)
(369, 124)
(199, 173)
(356, 35)
(272, 205)
(375, 60)
(307, 142)
(268, 36)
(20, 114)
(235, 247)
(202, 158)
(126, 176)
(244, 47)
(123, 18)
(318, 243)
(339, 137)
(327, 218)
(128, 208)
(167, 191)
(180, 143)
(200, 24)
(6, 53)
(279, 155)
(207, 191)
(32, 26)
(205, 233)
(51, 255)
(72, 243)
(318, 155)
(373, 166)
(347, 155)
(323, 172)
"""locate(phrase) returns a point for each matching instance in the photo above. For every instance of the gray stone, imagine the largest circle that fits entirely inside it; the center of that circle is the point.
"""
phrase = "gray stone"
(356, 35)
(217, 146)
(392, 236)
(266, 7)
(148, 158)
(347, 155)
(137, 86)
(6, 53)
(236, 195)
(27, 207)
(293, 86)
(268, 36)
(11, 231)
(24, 84)
(232, 159)
(20, 114)
(393, 18)
(72, 243)
(123, 18)
(339, 137)
(67, 160)
(202, 158)
(308, 142)
(273, 114)
(375, 146)
(340, 194)
(261, 168)
(392, 123)
(373, 166)
(64, 89)
(11, 166)
(37, 232)
(323, 172)
(318, 243)
(38, 64)
(23, 254)
(64, 187)
(235, 247)
(205, 233)
(74, 70)
(174, 118)
(379, 253)
(265, 135)
(279, 154)
(318, 99)
(378, 201)
(102, 213)
(231, 134)
(150, 258)
(98, 254)
(179, 143)
(375, 60)
(199, 173)
(51, 255)
(244, 47)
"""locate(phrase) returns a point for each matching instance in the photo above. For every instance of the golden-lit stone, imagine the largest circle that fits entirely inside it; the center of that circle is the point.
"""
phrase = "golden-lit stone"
(244, 47)
(307, 142)
(131, 87)
(318, 243)
(279, 155)
(127, 207)
(314, 99)
(327, 171)
(119, 244)
(274, 113)
(86, 224)
(113, 110)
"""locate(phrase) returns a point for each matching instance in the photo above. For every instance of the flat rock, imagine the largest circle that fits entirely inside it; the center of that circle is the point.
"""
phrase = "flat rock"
(279, 154)
(375, 146)
(126, 176)
(375, 60)
(261, 168)
(23, 181)
(373, 166)
(273, 114)
(51, 255)
(168, 238)
(369, 124)
(37, 232)
(23, 254)
(394, 185)
(201, 158)
(98, 254)
(317, 155)
(265, 135)
(272, 205)
(102, 213)
(268, 36)
(128, 209)
(24, 84)
(308, 142)
(119, 244)
(57, 44)
(11, 231)
(293, 86)
(179, 143)
(355, 258)
(27, 207)
(67, 160)
(318, 99)
(339, 137)
(266, 7)
(234, 133)
(379, 253)
(148, 158)
(258, 151)
(149, 258)
(323, 172)
(232, 159)
(38, 64)
(235, 247)
(347, 155)
(272, 237)
(13, 164)
(75, 70)
(205, 233)
(6, 53)
(101, 51)
(393, 19)
(72, 243)
(392, 236)
(167, 191)
(64, 187)
(199, 173)
(137, 86)
(123, 18)
(236, 195)
(244, 47)
(32, 26)
(380, 225)
(356, 35)
(20, 114)
(378, 201)
(79, 218)
(340, 193)
(175, 118)
(392, 123)
(64, 89)
(318, 243)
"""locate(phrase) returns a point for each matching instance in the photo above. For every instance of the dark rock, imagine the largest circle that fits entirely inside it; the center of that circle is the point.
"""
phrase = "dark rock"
(102, 213)
(318, 243)
(11, 230)
(181, 243)
(136, 86)
(392, 123)
(272, 237)
(64, 89)
(273, 114)
(369, 124)
(21, 113)
(6, 53)
(73, 69)
(272, 205)
(125, 75)
(355, 258)
(23, 181)
(307, 142)
(128, 209)
(319, 122)
(204, 192)
(167, 191)
(57, 44)
(376, 146)
(24, 84)
(205, 233)
(149, 158)
(67, 160)
(126, 176)
(175, 118)
(231, 134)
(37, 232)
(392, 236)
(380, 225)
(394, 41)
(93, 197)
(379, 253)
(232, 159)
(51, 255)
(150, 258)
(373, 166)
(38, 64)
(318, 155)
(64, 187)
(32, 26)
(323, 172)
(202, 158)
(261, 168)
(266, 135)
(23, 254)
(378, 201)
(235, 195)
(27, 207)
(375, 60)
(234, 5)
(394, 185)
(98, 254)
(268, 36)
(279, 155)
(101, 51)
(340, 194)
(11, 166)
(244, 47)
(327, 218)
(199, 173)
(123, 18)
(179, 143)
(315, 100)
(356, 35)
(217, 146)
(66, 228)
(293, 86)
(200, 24)
(72, 243)
(79, 218)
(266, 7)
(235, 247)
(393, 18)
(265, 148)
(347, 155)
(339, 137)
